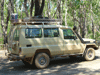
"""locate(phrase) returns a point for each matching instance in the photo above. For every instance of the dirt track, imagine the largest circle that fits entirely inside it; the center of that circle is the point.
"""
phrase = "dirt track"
(57, 67)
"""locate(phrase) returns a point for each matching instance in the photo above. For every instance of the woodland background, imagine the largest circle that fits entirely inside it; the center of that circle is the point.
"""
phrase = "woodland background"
(85, 14)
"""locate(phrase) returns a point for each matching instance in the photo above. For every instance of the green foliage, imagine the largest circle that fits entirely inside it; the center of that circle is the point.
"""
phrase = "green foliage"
(1, 40)
(73, 10)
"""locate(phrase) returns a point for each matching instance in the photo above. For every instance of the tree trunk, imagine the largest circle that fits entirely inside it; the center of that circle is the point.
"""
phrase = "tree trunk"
(49, 11)
(59, 8)
(92, 22)
(80, 19)
(3, 24)
(16, 6)
(31, 8)
(38, 9)
(66, 12)
(2, 18)
(84, 22)
(12, 6)
(25, 6)
(74, 16)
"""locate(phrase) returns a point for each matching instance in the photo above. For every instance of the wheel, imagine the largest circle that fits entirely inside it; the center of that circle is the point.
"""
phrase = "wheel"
(26, 63)
(89, 54)
(42, 60)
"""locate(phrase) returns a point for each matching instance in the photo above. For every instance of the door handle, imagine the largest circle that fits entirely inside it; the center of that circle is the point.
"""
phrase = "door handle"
(28, 45)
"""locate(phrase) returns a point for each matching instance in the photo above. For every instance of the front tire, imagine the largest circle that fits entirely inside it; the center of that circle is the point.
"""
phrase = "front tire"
(42, 60)
(89, 54)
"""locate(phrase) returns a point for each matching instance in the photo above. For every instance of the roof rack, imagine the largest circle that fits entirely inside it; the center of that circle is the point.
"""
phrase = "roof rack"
(38, 21)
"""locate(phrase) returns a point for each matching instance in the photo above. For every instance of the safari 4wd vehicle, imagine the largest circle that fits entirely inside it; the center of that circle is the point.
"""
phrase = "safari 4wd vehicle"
(37, 42)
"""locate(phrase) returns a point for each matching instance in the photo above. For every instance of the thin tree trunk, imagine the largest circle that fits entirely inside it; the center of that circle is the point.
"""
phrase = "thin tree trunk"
(25, 6)
(84, 22)
(87, 26)
(92, 22)
(49, 11)
(59, 8)
(2, 19)
(74, 16)
(16, 6)
(8, 16)
(31, 8)
(80, 19)
(66, 12)
(12, 6)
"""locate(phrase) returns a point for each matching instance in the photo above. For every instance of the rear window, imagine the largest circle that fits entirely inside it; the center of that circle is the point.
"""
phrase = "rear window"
(33, 33)
(16, 35)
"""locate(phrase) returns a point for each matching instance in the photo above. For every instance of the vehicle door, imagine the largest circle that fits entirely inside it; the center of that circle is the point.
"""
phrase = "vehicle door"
(51, 41)
(71, 42)
(15, 41)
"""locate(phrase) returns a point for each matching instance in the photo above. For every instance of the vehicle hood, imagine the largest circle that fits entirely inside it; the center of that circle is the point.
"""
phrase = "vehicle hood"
(86, 39)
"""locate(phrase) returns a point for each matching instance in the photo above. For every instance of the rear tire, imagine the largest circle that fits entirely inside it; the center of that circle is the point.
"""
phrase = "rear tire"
(41, 60)
(89, 54)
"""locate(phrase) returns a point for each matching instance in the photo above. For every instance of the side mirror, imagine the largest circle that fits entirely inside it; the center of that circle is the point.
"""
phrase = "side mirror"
(74, 28)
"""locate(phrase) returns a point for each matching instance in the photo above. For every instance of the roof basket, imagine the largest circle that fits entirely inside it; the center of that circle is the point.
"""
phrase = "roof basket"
(39, 21)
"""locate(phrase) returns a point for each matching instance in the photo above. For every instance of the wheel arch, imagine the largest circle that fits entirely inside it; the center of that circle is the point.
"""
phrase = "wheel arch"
(47, 51)
(91, 46)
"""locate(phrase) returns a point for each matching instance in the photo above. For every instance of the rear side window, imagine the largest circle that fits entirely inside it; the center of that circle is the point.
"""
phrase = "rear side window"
(16, 35)
(33, 33)
(51, 32)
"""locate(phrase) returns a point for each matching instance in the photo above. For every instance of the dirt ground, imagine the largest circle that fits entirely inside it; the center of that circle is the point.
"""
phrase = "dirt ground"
(65, 66)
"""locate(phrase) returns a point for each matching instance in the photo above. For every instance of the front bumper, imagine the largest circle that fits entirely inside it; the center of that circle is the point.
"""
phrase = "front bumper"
(14, 57)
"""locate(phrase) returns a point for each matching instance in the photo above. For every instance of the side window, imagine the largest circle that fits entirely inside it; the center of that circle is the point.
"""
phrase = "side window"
(33, 33)
(51, 32)
(16, 35)
(68, 34)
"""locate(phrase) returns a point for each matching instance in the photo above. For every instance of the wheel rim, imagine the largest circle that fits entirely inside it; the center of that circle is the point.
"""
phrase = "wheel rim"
(42, 60)
(90, 54)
